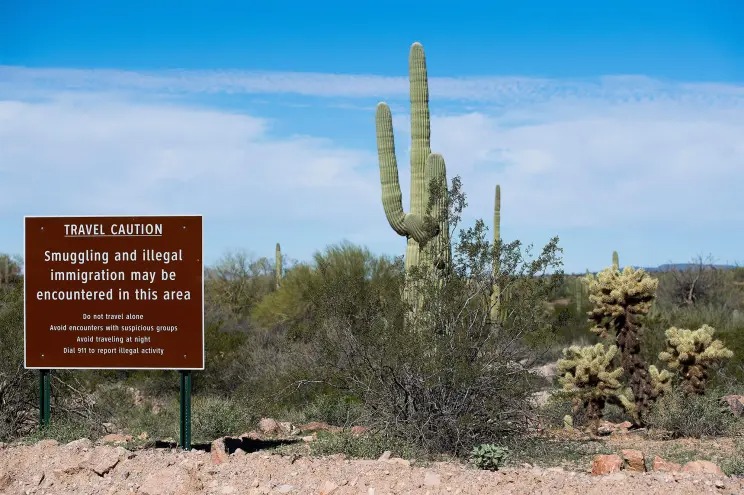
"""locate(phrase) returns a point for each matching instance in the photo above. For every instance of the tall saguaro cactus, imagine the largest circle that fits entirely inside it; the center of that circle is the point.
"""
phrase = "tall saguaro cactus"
(278, 265)
(426, 226)
(427, 231)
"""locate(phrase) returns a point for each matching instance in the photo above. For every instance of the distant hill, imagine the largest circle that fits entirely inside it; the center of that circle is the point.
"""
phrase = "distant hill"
(677, 266)
(684, 266)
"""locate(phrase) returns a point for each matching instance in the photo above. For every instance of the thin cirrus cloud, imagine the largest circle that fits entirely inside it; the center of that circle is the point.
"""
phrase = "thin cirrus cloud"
(589, 160)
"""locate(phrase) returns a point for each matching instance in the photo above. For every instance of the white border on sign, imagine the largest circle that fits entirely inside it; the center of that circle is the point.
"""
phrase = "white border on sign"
(204, 352)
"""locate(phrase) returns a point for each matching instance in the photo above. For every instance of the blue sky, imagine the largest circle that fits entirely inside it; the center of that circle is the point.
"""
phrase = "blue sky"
(614, 127)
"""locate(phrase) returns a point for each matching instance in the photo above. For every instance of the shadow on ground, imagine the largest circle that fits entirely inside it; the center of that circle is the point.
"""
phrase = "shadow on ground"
(232, 444)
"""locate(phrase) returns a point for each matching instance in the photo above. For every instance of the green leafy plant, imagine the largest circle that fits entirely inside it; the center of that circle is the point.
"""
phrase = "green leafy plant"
(489, 456)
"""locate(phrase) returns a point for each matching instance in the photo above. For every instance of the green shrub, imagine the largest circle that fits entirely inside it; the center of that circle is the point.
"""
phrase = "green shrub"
(214, 417)
(683, 415)
(489, 456)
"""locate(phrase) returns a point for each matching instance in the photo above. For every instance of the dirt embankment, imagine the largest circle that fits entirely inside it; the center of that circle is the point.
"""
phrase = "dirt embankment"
(82, 468)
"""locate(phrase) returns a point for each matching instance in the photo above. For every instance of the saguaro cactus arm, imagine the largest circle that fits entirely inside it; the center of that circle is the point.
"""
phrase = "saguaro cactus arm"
(425, 166)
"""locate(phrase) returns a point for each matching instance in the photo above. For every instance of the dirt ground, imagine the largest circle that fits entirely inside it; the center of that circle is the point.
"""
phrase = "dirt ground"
(83, 468)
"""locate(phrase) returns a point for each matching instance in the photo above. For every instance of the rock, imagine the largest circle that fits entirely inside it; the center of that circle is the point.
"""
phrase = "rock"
(432, 479)
(634, 460)
(109, 427)
(605, 428)
(143, 436)
(103, 460)
(735, 403)
(309, 438)
(662, 465)
(269, 426)
(286, 428)
(251, 435)
(284, 488)
(328, 488)
(359, 430)
(606, 464)
(385, 456)
(218, 451)
(609, 428)
(704, 467)
(239, 452)
(398, 460)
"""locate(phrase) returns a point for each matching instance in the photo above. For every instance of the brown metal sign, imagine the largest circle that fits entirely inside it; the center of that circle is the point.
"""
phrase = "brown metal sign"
(114, 292)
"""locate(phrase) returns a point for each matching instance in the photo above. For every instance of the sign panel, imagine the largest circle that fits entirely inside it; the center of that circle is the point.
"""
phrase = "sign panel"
(114, 292)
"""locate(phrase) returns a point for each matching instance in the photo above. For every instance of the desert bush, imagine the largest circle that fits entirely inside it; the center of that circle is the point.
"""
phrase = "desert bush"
(689, 415)
(18, 386)
(214, 417)
(444, 377)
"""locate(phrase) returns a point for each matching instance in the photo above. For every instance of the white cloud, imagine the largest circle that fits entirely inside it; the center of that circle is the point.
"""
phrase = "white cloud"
(603, 161)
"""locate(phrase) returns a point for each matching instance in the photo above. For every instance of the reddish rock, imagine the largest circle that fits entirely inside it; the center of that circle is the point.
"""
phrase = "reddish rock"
(735, 403)
(606, 464)
(705, 467)
(218, 451)
(660, 464)
(359, 430)
(634, 460)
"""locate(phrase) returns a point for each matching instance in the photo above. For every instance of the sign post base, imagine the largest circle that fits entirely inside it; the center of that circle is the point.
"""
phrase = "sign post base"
(185, 428)
(45, 396)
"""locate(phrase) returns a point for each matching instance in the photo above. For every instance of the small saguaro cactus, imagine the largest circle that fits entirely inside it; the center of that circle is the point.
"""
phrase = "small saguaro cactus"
(427, 232)
(615, 260)
(497, 312)
(692, 353)
(278, 266)
(619, 298)
(586, 374)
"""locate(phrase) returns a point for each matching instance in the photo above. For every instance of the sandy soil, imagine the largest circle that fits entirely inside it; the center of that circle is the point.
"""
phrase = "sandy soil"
(83, 468)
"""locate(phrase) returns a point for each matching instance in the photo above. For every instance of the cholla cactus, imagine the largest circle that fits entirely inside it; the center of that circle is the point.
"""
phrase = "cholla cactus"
(587, 376)
(661, 381)
(693, 353)
(619, 297)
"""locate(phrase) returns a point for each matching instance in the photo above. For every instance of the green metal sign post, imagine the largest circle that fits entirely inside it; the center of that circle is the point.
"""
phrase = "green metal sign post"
(45, 397)
(185, 433)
